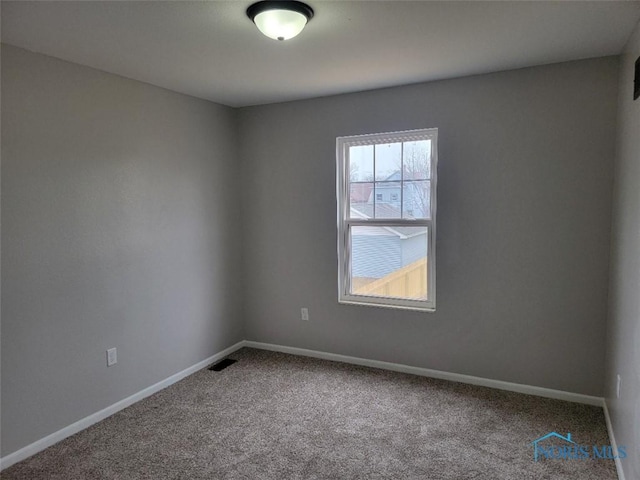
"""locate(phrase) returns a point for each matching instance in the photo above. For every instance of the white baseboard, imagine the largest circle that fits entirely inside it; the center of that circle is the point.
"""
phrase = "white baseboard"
(612, 437)
(425, 372)
(86, 422)
(49, 440)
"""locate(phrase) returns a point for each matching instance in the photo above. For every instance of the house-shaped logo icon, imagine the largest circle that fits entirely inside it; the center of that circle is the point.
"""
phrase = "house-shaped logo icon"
(550, 435)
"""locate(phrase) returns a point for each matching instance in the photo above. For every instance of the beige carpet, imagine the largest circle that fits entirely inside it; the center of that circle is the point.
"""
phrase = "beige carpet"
(277, 416)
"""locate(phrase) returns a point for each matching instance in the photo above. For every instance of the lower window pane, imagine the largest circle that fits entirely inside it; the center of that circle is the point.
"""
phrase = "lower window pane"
(389, 262)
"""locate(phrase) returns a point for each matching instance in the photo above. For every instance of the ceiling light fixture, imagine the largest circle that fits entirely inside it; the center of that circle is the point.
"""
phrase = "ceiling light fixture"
(280, 20)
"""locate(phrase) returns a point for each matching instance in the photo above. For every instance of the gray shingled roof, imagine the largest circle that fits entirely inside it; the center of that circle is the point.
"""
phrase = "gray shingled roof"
(385, 211)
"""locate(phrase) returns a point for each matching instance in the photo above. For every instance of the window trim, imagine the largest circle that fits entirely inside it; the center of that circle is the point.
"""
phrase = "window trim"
(345, 222)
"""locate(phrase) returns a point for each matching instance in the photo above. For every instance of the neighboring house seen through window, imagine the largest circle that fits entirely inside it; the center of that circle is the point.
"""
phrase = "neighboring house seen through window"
(386, 219)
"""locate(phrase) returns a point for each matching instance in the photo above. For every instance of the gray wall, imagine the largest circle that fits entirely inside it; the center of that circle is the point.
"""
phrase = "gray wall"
(119, 230)
(623, 339)
(524, 212)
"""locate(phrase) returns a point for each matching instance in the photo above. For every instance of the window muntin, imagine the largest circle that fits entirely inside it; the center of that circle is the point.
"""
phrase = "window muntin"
(386, 219)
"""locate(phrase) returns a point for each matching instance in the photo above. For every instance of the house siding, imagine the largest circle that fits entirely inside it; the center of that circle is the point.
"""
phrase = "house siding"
(413, 249)
(374, 256)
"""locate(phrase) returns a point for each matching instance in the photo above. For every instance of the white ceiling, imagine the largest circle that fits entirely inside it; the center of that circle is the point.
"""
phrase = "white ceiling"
(212, 50)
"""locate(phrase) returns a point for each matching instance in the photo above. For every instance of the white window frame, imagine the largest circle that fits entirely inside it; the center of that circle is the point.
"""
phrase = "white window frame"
(345, 222)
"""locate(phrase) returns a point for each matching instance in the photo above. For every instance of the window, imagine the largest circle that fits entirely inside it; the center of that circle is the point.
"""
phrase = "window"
(386, 250)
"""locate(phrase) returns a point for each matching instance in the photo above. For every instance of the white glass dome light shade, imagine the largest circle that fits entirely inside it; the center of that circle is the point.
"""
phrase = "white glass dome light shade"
(280, 24)
(280, 19)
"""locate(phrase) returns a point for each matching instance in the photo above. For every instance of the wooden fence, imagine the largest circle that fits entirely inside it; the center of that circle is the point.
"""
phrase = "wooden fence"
(408, 282)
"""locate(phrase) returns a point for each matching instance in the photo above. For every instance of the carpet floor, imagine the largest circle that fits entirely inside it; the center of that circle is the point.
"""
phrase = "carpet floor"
(277, 416)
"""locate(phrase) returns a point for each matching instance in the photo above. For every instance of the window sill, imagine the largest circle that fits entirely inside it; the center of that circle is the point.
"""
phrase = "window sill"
(365, 303)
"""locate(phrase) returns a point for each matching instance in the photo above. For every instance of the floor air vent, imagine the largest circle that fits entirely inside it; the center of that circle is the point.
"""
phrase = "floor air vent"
(222, 364)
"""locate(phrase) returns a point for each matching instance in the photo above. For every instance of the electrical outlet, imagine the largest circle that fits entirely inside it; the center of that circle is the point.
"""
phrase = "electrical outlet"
(112, 357)
(618, 386)
(304, 314)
